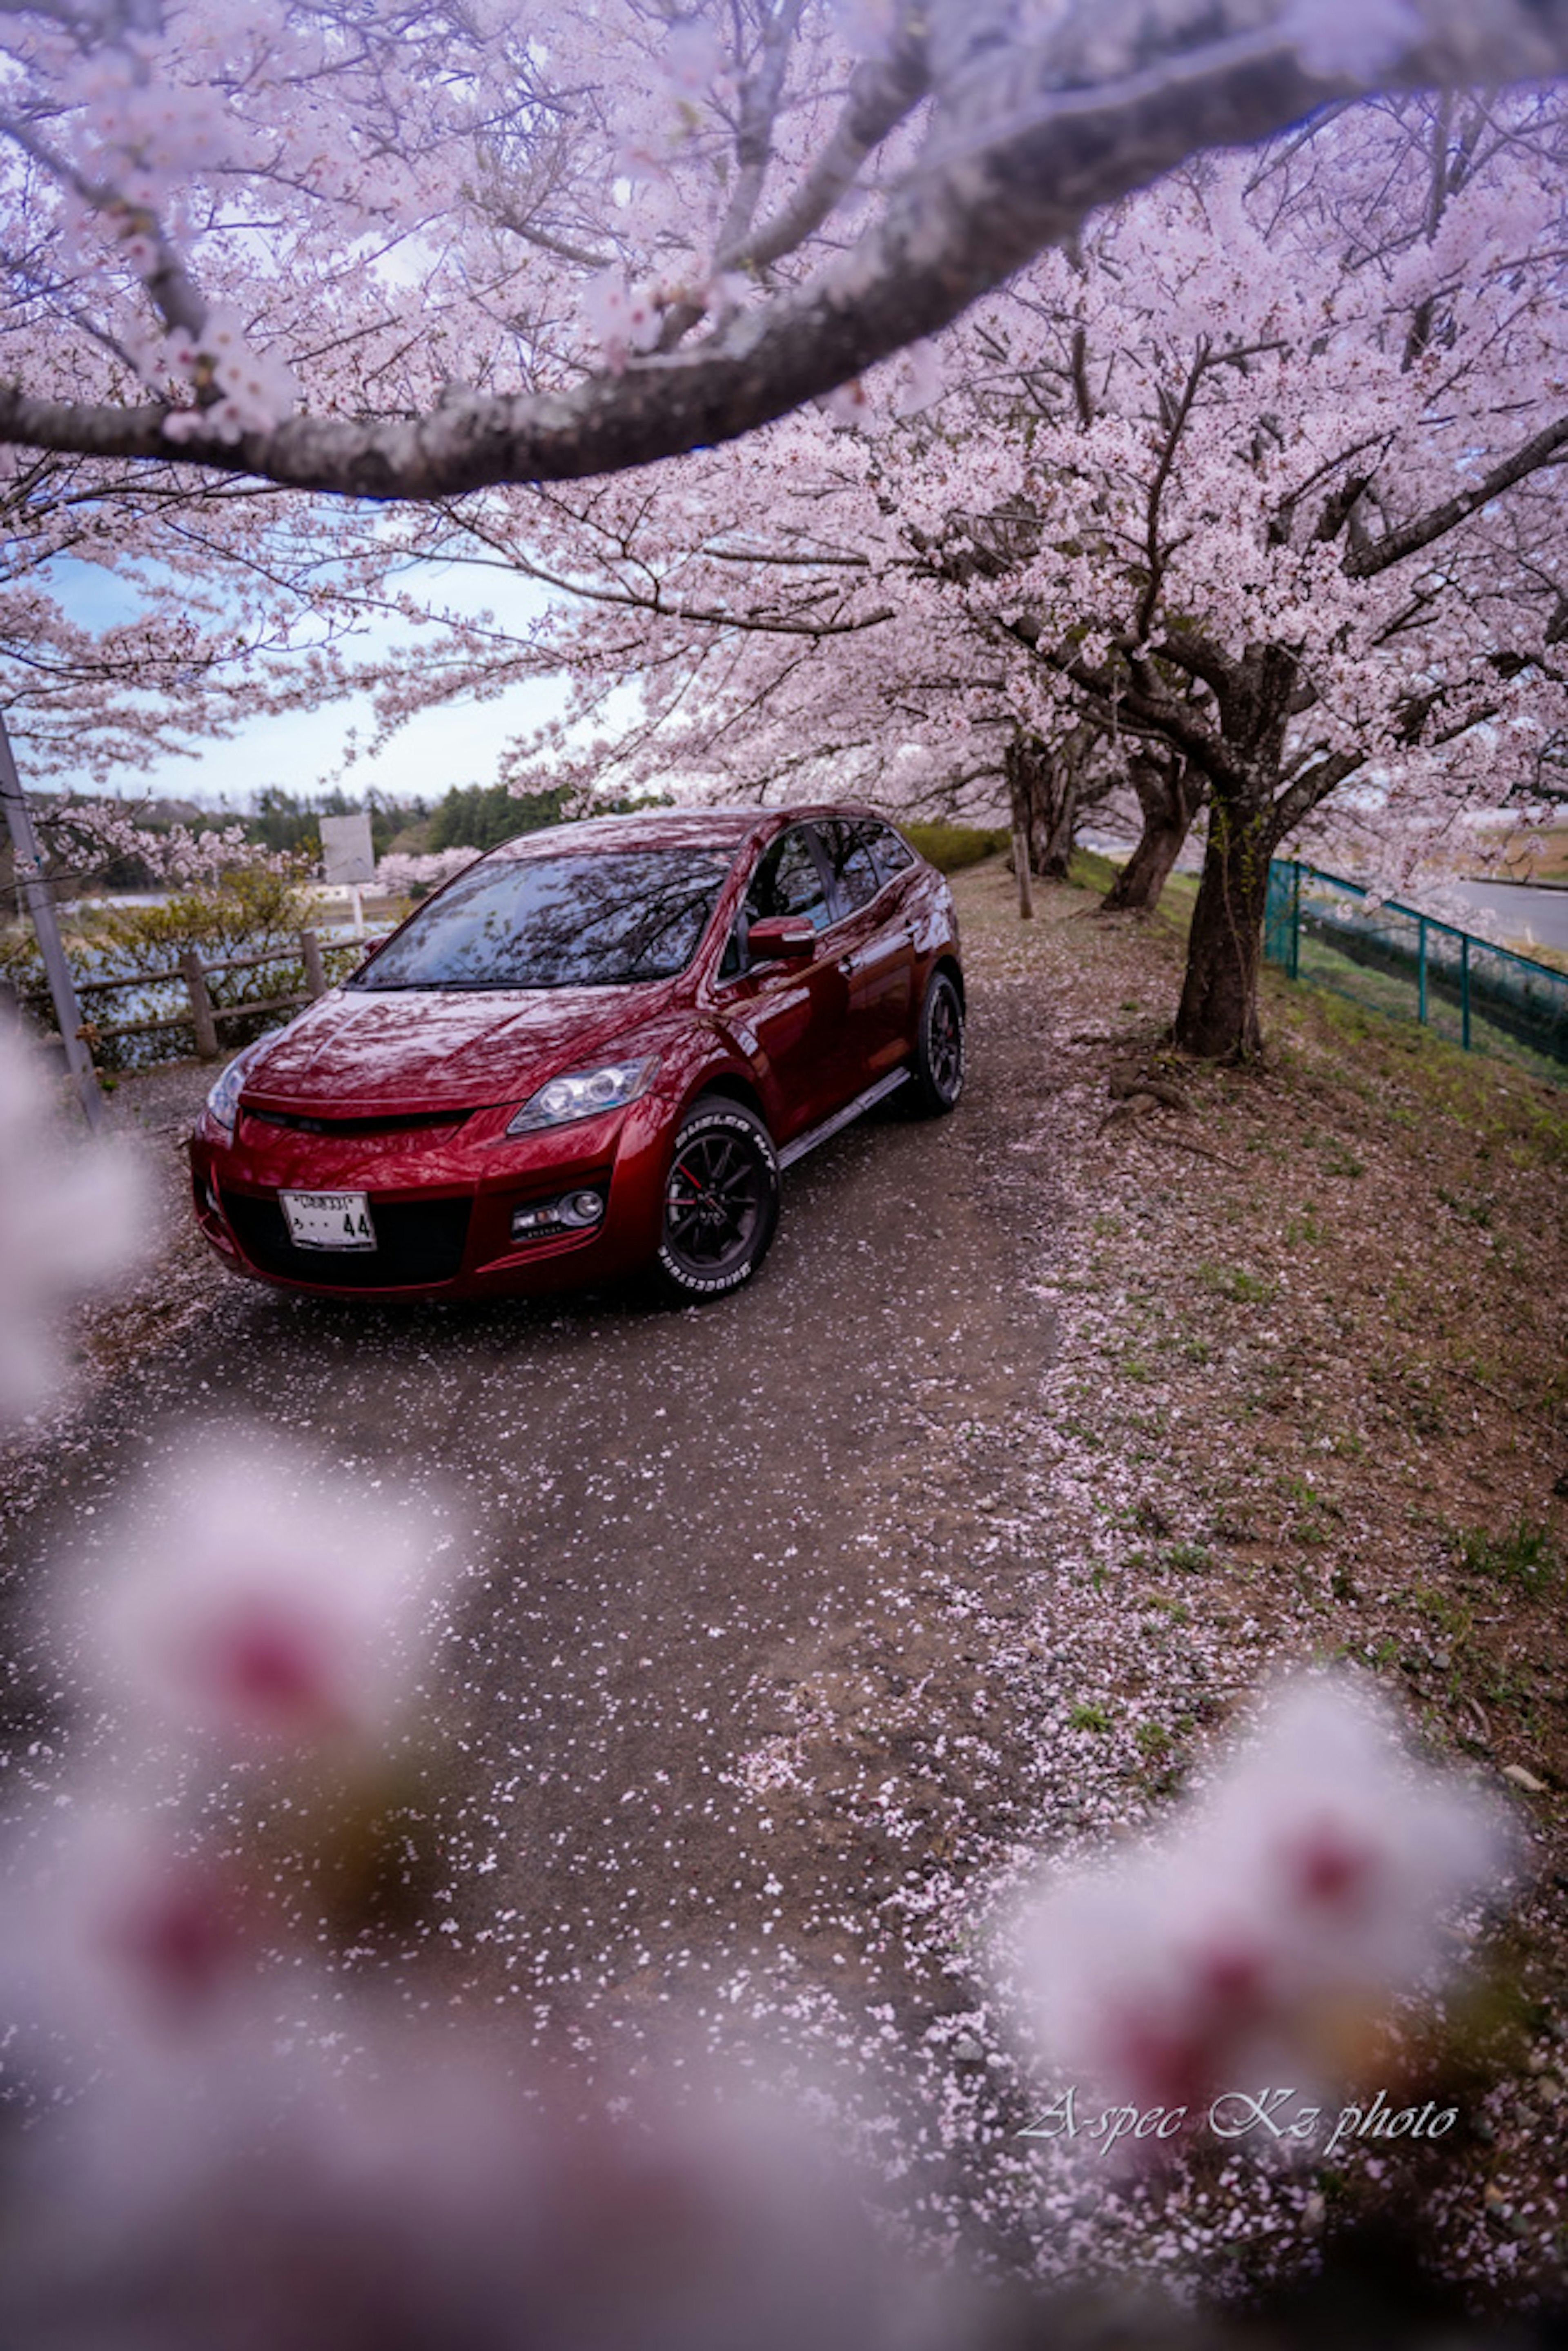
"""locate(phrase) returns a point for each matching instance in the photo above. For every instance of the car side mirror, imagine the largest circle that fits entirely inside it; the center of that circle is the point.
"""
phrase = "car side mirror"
(790, 938)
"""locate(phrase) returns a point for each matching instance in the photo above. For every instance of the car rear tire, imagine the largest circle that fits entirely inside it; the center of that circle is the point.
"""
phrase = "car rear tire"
(721, 1202)
(937, 1067)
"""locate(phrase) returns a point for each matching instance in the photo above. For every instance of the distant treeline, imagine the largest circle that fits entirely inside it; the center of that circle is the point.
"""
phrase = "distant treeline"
(467, 816)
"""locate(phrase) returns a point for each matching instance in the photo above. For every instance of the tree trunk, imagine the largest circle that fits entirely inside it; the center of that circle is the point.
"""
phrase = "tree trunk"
(1061, 826)
(1217, 1018)
(1042, 791)
(1021, 869)
(1170, 794)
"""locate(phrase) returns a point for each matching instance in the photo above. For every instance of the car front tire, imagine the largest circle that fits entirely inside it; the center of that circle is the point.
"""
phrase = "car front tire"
(937, 1067)
(721, 1203)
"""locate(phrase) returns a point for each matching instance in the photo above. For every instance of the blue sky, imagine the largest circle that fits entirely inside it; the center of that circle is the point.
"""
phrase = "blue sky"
(305, 750)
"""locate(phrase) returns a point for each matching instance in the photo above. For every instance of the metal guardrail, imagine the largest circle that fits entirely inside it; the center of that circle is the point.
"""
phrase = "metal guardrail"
(1395, 959)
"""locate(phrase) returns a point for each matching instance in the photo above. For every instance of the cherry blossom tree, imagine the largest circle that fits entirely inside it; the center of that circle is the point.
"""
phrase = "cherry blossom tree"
(1291, 508)
(402, 874)
(142, 617)
(389, 253)
(1258, 488)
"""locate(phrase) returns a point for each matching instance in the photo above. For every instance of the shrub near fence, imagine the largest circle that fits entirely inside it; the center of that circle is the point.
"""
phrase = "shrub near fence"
(1395, 959)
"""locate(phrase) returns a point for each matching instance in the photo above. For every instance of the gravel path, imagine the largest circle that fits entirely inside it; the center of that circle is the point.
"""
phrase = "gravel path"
(794, 1630)
(721, 1672)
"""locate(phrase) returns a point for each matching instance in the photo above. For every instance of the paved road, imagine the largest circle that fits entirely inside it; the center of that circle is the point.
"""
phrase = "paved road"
(711, 1550)
(1519, 914)
(1522, 916)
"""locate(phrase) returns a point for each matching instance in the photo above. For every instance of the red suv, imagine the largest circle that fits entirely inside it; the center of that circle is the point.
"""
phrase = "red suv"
(593, 1051)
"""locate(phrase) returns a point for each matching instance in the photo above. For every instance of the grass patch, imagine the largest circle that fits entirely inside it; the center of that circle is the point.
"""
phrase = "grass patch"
(1444, 1611)
(951, 847)
(1525, 1556)
(1187, 1558)
(1234, 1282)
(1469, 1212)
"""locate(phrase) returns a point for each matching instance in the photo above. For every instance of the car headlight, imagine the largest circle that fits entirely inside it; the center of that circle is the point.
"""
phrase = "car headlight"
(581, 1093)
(223, 1102)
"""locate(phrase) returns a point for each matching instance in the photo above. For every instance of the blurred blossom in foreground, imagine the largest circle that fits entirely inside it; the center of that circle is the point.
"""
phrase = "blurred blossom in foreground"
(132, 1938)
(72, 1217)
(266, 2114)
(258, 1603)
(412, 2188)
(1265, 1939)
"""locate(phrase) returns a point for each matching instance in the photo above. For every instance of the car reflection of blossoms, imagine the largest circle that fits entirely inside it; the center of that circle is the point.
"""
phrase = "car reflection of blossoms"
(593, 1051)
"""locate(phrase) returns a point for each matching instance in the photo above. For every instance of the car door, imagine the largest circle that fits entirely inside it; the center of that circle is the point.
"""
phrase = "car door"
(873, 945)
(790, 1015)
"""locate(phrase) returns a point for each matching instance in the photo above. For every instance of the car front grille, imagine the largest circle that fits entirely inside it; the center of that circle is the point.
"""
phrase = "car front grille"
(385, 1122)
(417, 1242)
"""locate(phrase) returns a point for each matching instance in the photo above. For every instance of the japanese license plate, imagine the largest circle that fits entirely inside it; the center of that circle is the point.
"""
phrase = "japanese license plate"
(329, 1220)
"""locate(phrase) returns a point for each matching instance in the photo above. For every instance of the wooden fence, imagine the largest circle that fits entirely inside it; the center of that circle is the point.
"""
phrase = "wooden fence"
(200, 1015)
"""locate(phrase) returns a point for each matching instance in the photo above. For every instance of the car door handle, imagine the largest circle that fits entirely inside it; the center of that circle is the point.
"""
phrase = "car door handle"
(849, 964)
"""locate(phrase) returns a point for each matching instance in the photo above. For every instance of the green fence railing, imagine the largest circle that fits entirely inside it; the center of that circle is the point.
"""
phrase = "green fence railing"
(1395, 959)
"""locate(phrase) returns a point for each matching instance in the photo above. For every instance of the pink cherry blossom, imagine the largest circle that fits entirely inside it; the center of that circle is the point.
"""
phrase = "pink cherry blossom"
(393, 203)
(1275, 1921)
(73, 1219)
(400, 872)
(263, 1603)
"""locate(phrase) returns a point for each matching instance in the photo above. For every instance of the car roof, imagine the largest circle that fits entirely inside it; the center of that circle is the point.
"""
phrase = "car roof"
(667, 828)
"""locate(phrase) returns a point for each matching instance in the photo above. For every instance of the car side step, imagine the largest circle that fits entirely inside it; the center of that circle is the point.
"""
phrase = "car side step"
(840, 1118)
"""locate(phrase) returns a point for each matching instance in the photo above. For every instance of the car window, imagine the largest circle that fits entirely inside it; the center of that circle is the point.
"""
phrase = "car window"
(601, 919)
(892, 855)
(850, 855)
(788, 882)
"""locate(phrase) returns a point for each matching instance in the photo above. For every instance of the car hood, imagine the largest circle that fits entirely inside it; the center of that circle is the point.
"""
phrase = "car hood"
(363, 1050)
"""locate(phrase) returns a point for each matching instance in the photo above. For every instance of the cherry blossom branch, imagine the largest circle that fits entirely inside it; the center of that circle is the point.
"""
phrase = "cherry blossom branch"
(173, 291)
(1018, 154)
(1148, 603)
(1423, 531)
(883, 92)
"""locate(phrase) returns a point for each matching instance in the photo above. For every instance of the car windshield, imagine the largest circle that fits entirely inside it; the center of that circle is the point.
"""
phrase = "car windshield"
(606, 918)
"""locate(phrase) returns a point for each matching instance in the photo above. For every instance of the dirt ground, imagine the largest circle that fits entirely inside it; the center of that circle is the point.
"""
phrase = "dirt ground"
(795, 1632)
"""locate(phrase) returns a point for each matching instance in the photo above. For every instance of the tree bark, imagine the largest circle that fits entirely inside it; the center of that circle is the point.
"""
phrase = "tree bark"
(1217, 1017)
(1042, 793)
(1170, 794)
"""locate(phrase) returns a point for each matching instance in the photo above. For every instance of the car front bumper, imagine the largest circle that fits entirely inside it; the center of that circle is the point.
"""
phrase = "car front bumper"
(441, 1196)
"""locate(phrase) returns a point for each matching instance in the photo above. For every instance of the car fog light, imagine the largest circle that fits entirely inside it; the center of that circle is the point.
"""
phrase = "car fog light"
(577, 1209)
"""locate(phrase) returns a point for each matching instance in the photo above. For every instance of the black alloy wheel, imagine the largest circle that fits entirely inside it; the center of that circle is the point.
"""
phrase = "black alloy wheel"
(721, 1202)
(938, 1062)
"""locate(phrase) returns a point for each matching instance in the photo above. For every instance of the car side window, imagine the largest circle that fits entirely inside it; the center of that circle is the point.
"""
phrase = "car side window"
(854, 868)
(892, 856)
(788, 881)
